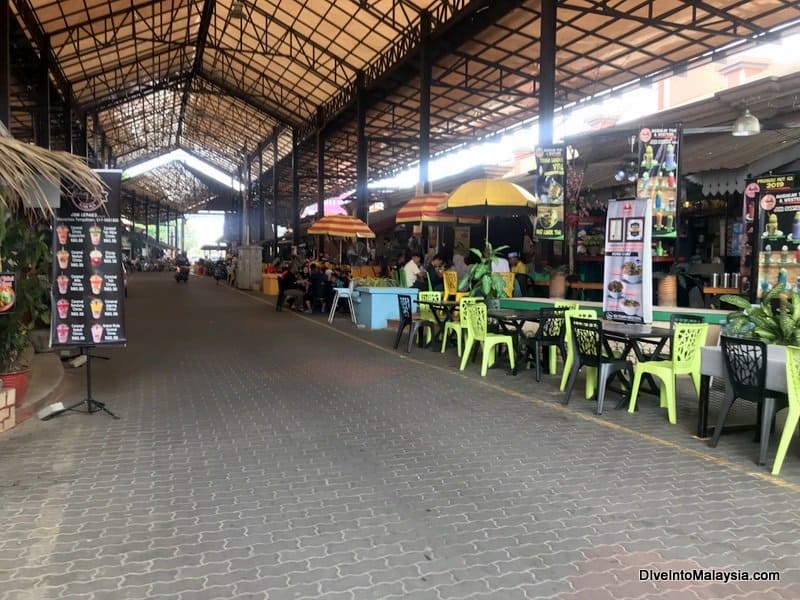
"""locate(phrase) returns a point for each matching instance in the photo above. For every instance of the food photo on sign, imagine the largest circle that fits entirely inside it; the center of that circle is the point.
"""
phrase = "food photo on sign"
(8, 294)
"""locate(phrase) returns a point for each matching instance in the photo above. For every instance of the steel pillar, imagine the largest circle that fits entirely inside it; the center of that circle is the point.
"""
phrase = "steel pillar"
(43, 108)
(547, 72)
(275, 192)
(362, 189)
(425, 69)
(5, 60)
(295, 187)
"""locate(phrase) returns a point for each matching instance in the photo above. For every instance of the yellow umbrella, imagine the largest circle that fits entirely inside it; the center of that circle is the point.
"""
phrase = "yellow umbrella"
(489, 197)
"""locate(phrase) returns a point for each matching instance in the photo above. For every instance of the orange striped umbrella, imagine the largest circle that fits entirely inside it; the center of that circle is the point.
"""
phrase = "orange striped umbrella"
(341, 226)
(423, 209)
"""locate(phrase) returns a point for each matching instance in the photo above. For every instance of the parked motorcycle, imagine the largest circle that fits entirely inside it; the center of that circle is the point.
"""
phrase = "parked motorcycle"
(182, 274)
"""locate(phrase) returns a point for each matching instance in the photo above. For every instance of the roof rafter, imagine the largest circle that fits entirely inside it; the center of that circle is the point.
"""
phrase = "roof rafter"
(197, 64)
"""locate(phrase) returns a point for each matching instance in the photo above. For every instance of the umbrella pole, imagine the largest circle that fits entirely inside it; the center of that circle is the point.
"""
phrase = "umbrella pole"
(486, 241)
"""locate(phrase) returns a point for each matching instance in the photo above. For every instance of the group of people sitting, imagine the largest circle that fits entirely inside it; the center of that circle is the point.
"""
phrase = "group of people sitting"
(428, 275)
(301, 287)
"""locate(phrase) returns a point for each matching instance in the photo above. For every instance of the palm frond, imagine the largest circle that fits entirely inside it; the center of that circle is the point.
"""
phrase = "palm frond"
(24, 166)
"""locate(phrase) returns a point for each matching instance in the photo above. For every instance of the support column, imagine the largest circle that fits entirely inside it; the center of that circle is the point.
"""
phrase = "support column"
(362, 189)
(5, 60)
(262, 203)
(43, 108)
(158, 222)
(82, 149)
(146, 217)
(425, 69)
(547, 72)
(320, 167)
(68, 121)
(275, 192)
(245, 194)
(183, 233)
(295, 187)
(133, 213)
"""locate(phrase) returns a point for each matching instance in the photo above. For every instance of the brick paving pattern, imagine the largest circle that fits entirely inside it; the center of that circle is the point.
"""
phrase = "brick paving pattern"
(266, 455)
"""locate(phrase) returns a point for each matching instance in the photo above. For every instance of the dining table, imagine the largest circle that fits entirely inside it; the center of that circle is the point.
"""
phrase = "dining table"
(633, 338)
(442, 311)
(712, 364)
(512, 321)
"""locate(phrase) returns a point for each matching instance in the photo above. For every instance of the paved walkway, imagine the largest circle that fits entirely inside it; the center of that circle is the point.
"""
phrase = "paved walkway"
(266, 455)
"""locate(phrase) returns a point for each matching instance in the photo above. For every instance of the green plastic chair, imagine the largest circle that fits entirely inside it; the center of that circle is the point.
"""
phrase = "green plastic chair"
(686, 344)
(793, 417)
(567, 305)
(476, 332)
(425, 311)
(401, 278)
(591, 374)
(459, 325)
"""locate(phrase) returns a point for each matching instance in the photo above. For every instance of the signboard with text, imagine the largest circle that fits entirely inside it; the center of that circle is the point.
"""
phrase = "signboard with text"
(777, 200)
(658, 177)
(549, 193)
(628, 276)
(88, 287)
(8, 293)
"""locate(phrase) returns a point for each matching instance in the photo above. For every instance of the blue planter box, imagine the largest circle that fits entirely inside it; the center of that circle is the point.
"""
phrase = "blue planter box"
(377, 305)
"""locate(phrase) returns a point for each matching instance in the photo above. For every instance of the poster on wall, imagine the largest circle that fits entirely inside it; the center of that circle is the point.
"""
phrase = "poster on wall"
(8, 293)
(778, 199)
(549, 193)
(658, 177)
(627, 277)
(460, 240)
(88, 287)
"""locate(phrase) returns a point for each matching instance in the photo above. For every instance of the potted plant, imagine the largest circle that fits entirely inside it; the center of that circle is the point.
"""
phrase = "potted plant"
(776, 320)
(24, 253)
(479, 279)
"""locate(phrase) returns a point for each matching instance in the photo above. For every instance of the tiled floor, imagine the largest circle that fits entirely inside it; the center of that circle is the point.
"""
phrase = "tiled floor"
(268, 455)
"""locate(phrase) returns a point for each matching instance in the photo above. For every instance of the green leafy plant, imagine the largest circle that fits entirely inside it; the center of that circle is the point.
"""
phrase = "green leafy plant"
(23, 252)
(480, 280)
(776, 320)
(375, 282)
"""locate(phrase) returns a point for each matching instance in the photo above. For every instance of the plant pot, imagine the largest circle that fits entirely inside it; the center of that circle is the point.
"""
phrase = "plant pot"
(558, 285)
(19, 381)
(668, 291)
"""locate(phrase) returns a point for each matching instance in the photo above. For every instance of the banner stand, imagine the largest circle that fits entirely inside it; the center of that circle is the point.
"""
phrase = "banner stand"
(92, 405)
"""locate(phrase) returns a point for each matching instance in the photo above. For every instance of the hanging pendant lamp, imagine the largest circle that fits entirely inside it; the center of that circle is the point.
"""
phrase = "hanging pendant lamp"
(747, 124)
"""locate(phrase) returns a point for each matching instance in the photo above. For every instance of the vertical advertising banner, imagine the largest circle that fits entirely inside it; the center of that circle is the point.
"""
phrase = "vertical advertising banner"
(460, 240)
(658, 177)
(549, 193)
(8, 293)
(778, 199)
(88, 287)
(628, 276)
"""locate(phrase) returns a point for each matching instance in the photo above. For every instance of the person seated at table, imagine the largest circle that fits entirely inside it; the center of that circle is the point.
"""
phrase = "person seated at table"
(315, 289)
(520, 270)
(290, 290)
(434, 271)
(412, 270)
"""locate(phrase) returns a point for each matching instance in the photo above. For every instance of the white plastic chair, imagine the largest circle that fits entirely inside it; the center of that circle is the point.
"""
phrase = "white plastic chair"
(343, 293)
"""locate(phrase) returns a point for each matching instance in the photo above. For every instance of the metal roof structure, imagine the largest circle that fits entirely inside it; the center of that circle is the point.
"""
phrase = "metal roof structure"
(226, 79)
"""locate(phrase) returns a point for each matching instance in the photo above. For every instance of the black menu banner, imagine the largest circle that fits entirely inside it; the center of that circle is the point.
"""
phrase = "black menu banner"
(549, 193)
(778, 199)
(88, 287)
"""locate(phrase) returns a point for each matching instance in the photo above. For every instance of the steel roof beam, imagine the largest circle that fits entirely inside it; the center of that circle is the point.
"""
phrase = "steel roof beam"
(202, 34)
(39, 38)
(235, 93)
(141, 92)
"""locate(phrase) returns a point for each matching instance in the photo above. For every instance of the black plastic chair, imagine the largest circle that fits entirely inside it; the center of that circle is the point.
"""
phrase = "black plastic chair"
(551, 332)
(416, 326)
(746, 373)
(591, 350)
